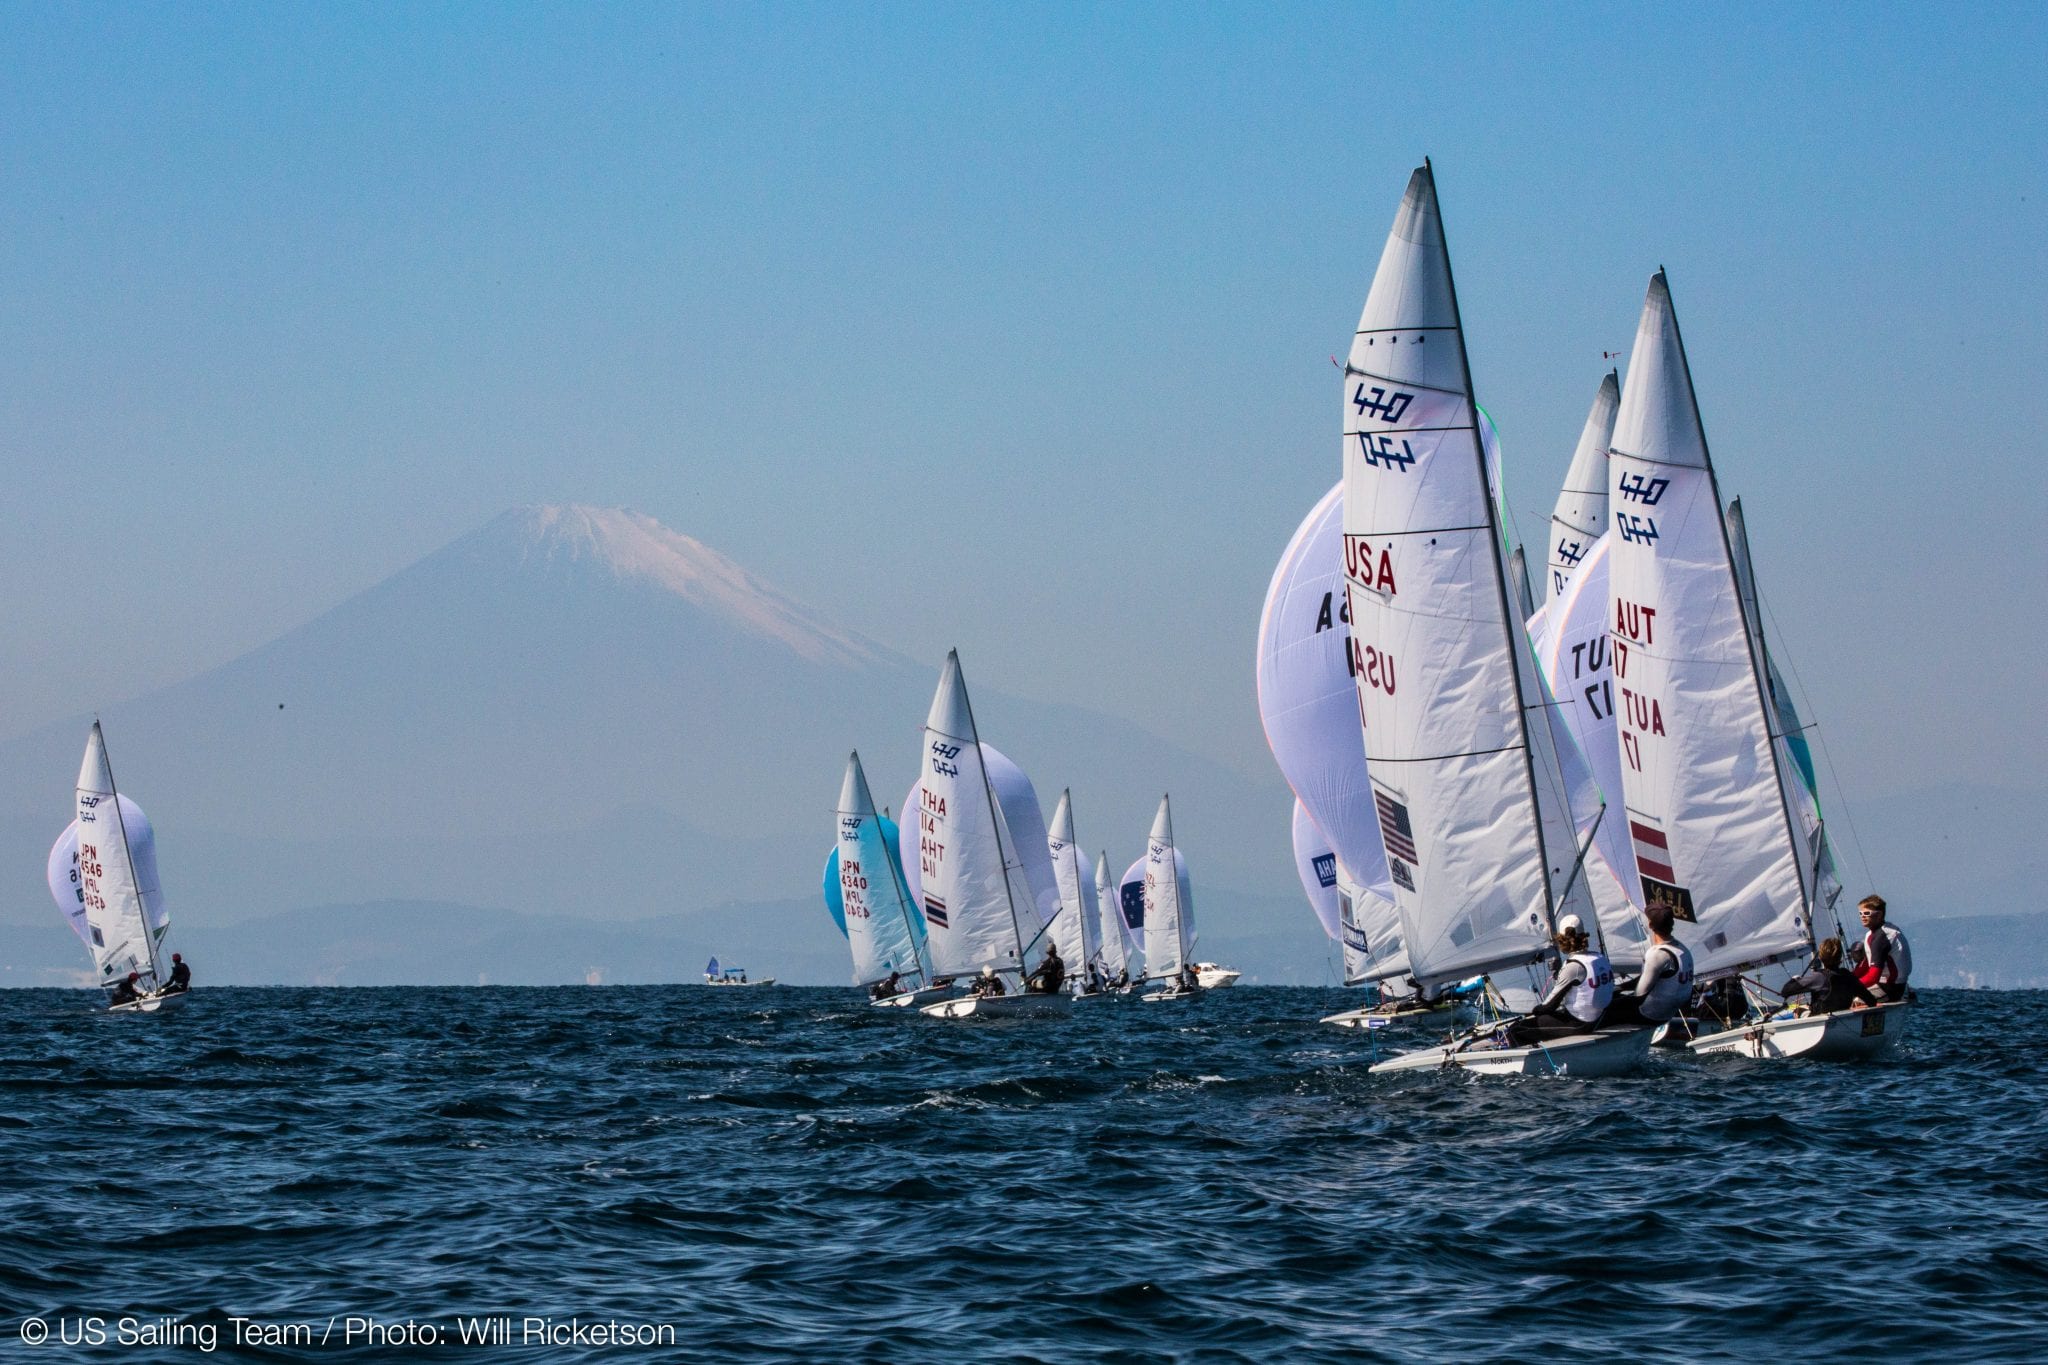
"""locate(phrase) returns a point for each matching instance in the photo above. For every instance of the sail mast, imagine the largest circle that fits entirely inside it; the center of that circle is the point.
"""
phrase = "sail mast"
(1763, 695)
(1510, 622)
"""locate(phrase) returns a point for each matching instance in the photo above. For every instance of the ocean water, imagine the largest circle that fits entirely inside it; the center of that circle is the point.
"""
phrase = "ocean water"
(787, 1174)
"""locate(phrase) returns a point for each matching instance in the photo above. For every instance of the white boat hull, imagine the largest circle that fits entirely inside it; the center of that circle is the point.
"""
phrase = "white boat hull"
(1845, 1035)
(909, 999)
(1170, 995)
(1214, 978)
(741, 985)
(151, 1004)
(1001, 1007)
(1608, 1052)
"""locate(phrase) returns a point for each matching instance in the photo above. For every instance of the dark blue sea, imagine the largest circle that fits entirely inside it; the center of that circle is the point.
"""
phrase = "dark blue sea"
(787, 1174)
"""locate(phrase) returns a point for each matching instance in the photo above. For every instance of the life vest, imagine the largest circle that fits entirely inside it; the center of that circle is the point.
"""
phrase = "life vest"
(1898, 958)
(1587, 1000)
(1668, 994)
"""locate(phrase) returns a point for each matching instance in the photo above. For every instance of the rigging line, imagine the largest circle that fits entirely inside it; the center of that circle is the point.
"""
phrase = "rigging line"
(1439, 758)
(1351, 371)
(1827, 754)
(1381, 331)
(1648, 459)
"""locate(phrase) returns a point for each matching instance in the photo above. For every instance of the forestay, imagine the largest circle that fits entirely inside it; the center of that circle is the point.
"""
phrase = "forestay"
(1310, 711)
(1438, 656)
(1707, 815)
(109, 878)
(1581, 512)
(875, 902)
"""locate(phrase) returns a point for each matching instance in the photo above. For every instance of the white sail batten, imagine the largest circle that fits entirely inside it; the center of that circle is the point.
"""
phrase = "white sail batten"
(974, 891)
(875, 901)
(1169, 911)
(122, 940)
(1706, 810)
(1580, 516)
(1435, 644)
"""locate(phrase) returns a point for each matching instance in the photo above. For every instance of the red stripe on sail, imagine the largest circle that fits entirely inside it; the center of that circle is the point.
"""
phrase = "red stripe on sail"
(1661, 871)
(1649, 834)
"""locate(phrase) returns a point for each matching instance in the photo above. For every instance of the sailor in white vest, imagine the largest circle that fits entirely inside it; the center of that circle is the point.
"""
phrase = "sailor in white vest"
(1664, 985)
(1579, 994)
(1887, 959)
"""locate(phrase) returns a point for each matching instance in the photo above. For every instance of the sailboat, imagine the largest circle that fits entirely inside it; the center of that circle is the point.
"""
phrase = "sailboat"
(1169, 911)
(1077, 929)
(1714, 797)
(1480, 843)
(714, 975)
(119, 902)
(981, 912)
(881, 931)
(1115, 935)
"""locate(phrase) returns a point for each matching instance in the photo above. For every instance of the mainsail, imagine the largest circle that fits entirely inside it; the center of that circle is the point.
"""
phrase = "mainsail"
(875, 901)
(1581, 512)
(979, 906)
(1707, 812)
(122, 939)
(1116, 957)
(1075, 929)
(1169, 909)
(1309, 707)
(67, 884)
(1444, 675)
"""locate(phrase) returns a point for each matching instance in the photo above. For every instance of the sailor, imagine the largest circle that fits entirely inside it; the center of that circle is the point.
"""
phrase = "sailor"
(127, 992)
(892, 984)
(1887, 960)
(1190, 979)
(1579, 994)
(988, 983)
(1050, 976)
(1828, 985)
(1664, 985)
(181, 976)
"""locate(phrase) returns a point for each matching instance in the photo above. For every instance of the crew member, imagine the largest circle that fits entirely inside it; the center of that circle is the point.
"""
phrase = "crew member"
(1887, 960)
(127, 992)
(988, 983)
(1050, 976)
(1828, 985)
(181, 975)
(1664, 985)
(1579, 994)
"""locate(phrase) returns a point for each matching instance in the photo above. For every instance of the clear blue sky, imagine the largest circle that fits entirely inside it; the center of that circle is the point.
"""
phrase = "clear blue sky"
(1006, 325)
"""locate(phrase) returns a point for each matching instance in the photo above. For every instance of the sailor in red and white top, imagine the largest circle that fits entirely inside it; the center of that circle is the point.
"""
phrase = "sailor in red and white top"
(1887, 959)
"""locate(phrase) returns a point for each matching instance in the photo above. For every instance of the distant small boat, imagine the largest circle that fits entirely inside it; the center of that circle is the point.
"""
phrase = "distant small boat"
(1169, 914)
(1211, 977)
(731, 976)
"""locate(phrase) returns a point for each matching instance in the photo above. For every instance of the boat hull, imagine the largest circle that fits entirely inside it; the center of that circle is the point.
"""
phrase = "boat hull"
(1607, 1052)
(151, 1004)
(1216, 978)
(1170, 995)
(1844, 1036)
(913, 999)
(742, 985)
(1001, 1007)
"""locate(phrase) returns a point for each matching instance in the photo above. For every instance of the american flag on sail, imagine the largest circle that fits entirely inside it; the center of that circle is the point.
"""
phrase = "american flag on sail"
(935, 910)
(1395, 830)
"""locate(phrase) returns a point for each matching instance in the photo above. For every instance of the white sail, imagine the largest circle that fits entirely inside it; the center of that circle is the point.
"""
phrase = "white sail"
(1169, 910)
(1316, 863)
(1581, 513)
(1017, 803)
(875, 901)
(1352, 937)
(1115, 937)
(1706, 811)
(1310, 711)
(978, 903)
(1437, 650)
(121, 939)
(1075, 930)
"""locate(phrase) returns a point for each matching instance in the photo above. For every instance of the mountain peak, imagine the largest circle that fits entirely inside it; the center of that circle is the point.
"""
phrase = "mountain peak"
(635, 548)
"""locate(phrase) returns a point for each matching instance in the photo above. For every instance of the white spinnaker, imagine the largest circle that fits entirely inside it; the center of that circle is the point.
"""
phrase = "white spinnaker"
(1581, 513)
(1075, 931)
(1169, 909)
(978, 903)
(1436, 647)
(1115, 937)
(1706, 813)
(1795, 762)
(877, 909)
(67, 887)
(122, 941)
(1310, 711)
(1316, 862)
